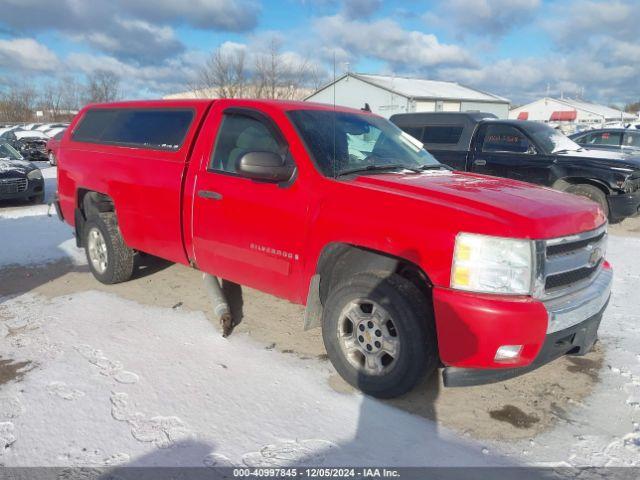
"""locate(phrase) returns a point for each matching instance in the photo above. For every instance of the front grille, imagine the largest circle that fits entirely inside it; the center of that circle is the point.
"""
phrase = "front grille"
(564, 248)
(569, 278)
(38, 146)
(13, 185)
(570, 263)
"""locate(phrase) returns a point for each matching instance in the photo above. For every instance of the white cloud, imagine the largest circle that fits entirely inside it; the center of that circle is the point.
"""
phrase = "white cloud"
(27, 54)
(354, 9)
(483, 17)
(229, 15)
(131, 39)
(129, 29)
(585, 20)
(386, 40)
(529, 78)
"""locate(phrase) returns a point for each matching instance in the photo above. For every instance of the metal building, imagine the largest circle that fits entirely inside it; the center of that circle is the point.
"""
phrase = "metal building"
(388, 95)
(566, 111)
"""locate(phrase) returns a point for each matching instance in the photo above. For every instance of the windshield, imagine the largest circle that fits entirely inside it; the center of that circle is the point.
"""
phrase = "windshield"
(551, 140)
(348, 142)
(7, 151)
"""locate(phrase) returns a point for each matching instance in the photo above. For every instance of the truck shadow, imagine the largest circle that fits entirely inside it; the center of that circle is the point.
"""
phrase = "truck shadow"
(146, 265)
(384, 438)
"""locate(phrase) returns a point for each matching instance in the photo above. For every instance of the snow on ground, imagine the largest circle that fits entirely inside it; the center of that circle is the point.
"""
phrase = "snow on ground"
(605, 429)
(47, 237)
(106, 381)
(125, 385)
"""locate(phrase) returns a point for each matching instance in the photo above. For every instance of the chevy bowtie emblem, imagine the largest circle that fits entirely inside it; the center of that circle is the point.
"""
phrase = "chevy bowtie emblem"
(595, 257)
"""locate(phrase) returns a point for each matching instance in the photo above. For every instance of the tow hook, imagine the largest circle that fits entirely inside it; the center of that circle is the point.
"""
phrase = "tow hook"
(220, 305)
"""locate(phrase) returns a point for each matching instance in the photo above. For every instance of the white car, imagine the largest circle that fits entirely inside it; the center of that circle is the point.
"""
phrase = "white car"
(52, 132)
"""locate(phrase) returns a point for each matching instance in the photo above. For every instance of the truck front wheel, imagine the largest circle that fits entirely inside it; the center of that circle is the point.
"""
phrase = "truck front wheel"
(110, 260)
(379, 334)
(592, 193)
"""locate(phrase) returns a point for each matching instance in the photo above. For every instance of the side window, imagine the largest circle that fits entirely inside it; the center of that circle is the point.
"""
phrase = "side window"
(415, 132)
(505, 138)
(632, 139)
(143, 128)
(581, 140)
(603, 138)
(446, 134)
(240, 134)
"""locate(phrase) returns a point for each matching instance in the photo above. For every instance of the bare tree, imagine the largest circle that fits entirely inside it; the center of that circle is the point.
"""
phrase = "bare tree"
(17, 103)
(268, 71)
(316, 77)
(632, 107)
(224, 74)
(102, 86)
(236, 73)
(281, 76)
(60, 99)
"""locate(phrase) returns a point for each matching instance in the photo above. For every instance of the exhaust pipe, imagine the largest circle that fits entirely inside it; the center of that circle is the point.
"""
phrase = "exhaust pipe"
(220, 305)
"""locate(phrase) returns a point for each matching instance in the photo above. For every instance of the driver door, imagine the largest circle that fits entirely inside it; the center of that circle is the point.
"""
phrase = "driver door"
(247, 231)
(506, 151)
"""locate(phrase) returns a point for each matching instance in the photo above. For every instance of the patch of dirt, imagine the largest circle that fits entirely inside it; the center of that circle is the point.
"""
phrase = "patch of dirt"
(629, 227)
(514, 416)
(11, 371)
(587, 366)
(546, 393)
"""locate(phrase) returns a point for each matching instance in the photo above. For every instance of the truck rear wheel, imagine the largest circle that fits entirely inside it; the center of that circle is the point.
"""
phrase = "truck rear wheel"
(379, 334)
(592, 193)
(110, 260)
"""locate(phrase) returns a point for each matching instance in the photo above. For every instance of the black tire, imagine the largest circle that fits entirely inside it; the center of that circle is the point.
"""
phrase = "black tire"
(119, 258)
(592, 193)
(38, 199)
(412, 318)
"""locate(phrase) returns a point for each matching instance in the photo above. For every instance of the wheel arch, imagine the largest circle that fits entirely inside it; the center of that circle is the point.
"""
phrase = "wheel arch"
(564, 183)
(338, 261)
(89, 203)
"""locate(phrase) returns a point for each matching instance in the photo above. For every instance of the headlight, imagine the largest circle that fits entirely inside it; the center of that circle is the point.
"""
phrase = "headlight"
(35, 174)
(492, 264)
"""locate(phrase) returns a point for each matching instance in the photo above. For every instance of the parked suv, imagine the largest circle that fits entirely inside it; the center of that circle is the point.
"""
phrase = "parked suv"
(404, 263)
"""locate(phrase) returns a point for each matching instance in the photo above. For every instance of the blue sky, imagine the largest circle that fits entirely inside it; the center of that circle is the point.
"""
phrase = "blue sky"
(514, 48)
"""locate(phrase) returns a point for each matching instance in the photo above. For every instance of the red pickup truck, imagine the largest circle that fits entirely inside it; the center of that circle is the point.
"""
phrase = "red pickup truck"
(406, 265)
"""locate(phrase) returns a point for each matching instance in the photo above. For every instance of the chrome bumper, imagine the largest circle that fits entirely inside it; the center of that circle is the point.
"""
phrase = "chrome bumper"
(571, 309)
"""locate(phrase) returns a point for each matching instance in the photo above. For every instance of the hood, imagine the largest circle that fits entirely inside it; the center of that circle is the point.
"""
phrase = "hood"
(516, 208)
(609, 157)
(32, 140)
(13, 168)
(30, 135)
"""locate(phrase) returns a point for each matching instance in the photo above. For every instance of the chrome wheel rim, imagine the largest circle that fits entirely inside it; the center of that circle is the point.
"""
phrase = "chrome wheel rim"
(368, 337)
(97, 249)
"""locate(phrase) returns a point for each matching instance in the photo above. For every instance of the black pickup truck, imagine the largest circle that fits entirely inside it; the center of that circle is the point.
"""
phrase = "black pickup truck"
(529, 151)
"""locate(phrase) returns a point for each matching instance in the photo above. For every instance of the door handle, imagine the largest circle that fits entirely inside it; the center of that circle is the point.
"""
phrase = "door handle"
(209, 194)
(480, 163)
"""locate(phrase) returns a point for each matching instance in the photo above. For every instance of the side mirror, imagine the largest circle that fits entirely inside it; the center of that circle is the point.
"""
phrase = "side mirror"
(532, 150)
(265, 166)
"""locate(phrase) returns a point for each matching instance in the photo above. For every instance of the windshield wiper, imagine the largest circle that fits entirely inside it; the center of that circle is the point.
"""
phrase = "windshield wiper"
(376, 168)
(435, 167)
